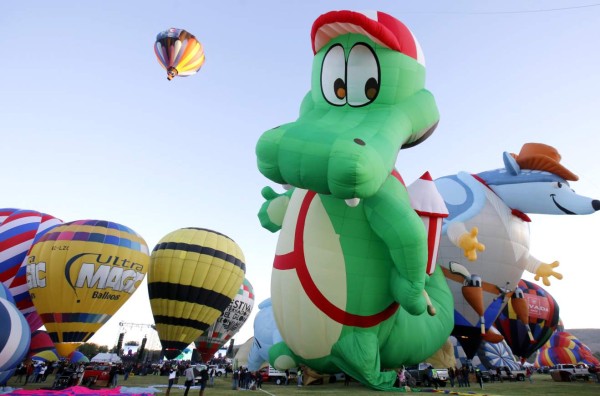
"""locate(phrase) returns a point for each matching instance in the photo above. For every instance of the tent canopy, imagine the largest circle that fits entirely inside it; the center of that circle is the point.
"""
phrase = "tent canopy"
(107, 357)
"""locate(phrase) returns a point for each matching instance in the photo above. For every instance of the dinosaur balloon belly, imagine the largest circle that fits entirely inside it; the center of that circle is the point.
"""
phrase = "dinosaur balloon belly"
(312, 284)
(292, 307)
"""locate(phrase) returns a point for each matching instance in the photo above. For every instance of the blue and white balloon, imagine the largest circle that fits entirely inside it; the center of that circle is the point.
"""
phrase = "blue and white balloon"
(15, 336)
(5, 294)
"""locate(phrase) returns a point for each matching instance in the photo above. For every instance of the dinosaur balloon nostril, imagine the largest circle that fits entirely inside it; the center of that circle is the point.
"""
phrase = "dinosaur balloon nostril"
(359, 142)
(596, 204)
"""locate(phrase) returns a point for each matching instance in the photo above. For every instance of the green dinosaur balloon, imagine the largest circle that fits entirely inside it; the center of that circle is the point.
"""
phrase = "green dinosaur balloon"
(349, 275)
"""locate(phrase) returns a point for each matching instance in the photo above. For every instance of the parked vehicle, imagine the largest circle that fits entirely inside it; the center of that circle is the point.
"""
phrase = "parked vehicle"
(507, 374)
(273, 375)
(96, 374)
(419, 373)
(219, 370)
(571, 372)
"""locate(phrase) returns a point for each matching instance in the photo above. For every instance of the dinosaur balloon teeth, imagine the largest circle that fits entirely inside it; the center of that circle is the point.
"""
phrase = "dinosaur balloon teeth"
(353, 202)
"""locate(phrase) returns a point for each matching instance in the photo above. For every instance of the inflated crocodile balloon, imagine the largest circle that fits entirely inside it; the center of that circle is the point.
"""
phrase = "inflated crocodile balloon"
(349, 285)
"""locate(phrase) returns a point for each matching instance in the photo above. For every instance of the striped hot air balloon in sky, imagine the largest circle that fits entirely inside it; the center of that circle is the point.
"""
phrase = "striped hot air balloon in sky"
(80, 273)
(228, 324)
(19, 230)
(194, 274)
(178, 52)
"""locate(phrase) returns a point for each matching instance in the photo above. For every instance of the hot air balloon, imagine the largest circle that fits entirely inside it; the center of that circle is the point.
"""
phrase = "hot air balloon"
(40, 342)
(5, 376)
(14, 336)
(497, 202)
(194, 274)
(494, 355)
(5, 294)
(228, 324)
(178, 52)
(266, 334)
(80, 273)
(77, 357)
(565, 348)
(525, 334)
(50, 355)
(19, 230)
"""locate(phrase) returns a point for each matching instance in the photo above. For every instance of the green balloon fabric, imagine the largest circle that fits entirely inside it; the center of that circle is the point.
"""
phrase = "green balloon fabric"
(349, 285)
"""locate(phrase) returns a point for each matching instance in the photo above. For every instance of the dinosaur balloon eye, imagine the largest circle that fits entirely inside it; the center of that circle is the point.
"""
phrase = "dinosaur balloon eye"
(340, 88)
(558, 185)
(371, 88)
(333, 76)
(363, 75)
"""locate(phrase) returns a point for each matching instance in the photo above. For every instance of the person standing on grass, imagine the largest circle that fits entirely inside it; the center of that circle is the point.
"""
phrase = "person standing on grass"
(212, 377)
(529, 374)
(235, 379)
(479, 377)
(189, 378)
(203, 381)
(259, 380)
(346, 379)
(172, 376)
(451, 376)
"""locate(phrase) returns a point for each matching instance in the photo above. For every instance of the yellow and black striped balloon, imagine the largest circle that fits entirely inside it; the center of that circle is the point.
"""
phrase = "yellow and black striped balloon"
(193, 276)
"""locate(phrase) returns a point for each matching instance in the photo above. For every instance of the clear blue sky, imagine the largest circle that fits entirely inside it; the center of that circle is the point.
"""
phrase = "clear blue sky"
(92, 129)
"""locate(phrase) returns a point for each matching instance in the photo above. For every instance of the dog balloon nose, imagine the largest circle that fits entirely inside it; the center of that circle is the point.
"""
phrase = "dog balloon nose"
(596, 204)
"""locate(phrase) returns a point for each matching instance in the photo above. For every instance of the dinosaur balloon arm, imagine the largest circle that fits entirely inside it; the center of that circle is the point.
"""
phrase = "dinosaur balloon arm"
(393, 219)
(272, 212)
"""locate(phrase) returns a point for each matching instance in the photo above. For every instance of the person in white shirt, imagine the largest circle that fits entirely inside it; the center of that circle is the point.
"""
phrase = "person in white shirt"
(189, 378)
(172, 376)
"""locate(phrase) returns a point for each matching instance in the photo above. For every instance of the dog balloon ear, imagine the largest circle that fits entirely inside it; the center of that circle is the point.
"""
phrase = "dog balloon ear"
(511, 164)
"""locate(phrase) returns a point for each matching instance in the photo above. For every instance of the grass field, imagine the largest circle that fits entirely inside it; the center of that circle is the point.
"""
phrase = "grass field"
(542, 385)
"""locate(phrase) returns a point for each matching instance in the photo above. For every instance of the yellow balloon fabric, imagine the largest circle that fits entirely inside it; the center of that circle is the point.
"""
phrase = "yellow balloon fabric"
(194, 274)
(80, 273)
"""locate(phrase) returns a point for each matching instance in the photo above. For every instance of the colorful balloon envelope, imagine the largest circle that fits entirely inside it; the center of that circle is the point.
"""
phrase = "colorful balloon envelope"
(178, 52)
(228, 324)
(46, 356)
(194, 274)
(19, 230)
(5, 294)
(80, 273)
(14, 336)
(497, 355)
(5, 376)
(565, 348)
(77, 357)
(543, 319)
(40, 342)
